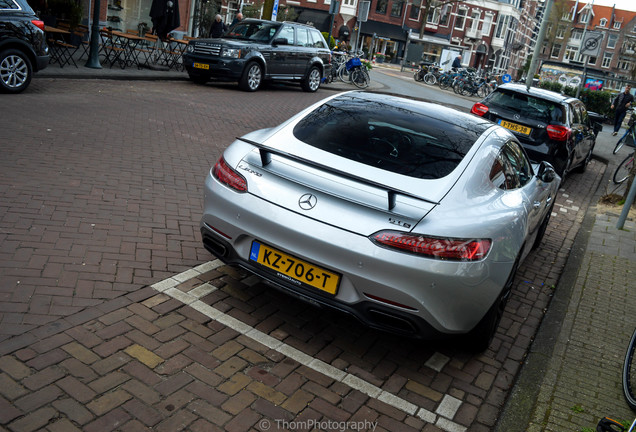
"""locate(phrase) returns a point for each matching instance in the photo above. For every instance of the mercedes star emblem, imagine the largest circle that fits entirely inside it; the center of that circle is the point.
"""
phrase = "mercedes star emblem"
(307, 201)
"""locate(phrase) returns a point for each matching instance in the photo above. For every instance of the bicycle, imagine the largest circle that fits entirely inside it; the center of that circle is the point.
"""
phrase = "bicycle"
(626, 137)
(625, 169)
(629, 373)
(337, 62)
(357, 73)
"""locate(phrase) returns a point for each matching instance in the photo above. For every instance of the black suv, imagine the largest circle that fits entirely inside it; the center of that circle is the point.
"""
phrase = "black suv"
(256, 50)
(551, 127)
(23, 48)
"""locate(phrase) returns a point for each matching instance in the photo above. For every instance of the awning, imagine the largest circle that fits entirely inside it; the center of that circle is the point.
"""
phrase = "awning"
(383, 30)
(415, 37)
(319, 19)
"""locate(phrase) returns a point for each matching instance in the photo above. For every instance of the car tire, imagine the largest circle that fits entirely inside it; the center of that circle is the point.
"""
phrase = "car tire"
(542, 228)
(479, 338)
(581, 168)
(16, 71)
(252, 77)
(311, 81)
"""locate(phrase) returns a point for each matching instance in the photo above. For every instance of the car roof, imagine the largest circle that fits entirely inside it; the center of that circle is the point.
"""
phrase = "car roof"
(538, 92)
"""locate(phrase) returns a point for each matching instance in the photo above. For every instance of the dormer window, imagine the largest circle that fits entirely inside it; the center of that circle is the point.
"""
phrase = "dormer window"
(603, 22)
(617, 25)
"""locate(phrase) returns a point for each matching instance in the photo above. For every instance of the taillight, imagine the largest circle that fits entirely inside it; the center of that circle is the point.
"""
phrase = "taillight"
(39, 24)
(434, 247)
(479, 109)
(226, 175)
(558, 133)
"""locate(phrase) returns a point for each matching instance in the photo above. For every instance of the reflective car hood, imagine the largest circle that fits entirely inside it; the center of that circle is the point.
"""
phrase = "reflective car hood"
(291, 174)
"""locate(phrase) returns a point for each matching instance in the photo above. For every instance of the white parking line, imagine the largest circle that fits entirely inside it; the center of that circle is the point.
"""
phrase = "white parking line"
(445, 411)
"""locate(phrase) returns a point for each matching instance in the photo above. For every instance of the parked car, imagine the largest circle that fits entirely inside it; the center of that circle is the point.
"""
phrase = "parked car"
(410, 216)
(551, 127)
(254, 50)
(23, 48)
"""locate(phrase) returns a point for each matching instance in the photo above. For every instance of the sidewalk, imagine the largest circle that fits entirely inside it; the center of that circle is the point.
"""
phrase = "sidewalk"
(572, 375)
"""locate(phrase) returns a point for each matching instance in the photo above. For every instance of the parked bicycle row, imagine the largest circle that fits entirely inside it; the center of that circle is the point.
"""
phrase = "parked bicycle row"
(463, 81)
(349, 68)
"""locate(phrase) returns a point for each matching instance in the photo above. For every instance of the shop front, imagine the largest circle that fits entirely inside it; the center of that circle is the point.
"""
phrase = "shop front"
(385, 39)
(428, 49)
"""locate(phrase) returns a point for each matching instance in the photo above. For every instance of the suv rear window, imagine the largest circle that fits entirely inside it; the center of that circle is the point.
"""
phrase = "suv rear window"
(387, 136)
(8, 4)
(527, 106)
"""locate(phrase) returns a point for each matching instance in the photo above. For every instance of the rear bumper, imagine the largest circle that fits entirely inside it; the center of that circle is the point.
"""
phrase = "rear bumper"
(368, 313)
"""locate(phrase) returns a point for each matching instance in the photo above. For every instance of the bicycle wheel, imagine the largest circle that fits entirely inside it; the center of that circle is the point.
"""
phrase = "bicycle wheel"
(430, 79)
(482, 91)
(360, 78)
(344, 74)
(629, 374)
(620, 143)
(444, 83)
(622, 171)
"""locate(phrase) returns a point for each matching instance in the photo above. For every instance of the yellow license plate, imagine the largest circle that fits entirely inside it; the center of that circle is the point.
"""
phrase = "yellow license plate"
(294, 269)
(515, 127)
(201, 66)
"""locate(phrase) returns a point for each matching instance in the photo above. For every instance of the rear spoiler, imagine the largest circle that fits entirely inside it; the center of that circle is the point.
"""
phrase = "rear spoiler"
(266, 153)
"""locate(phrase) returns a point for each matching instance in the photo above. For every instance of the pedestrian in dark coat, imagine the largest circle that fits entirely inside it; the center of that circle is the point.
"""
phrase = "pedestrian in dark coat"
(457, 63)
(621, 103)
(218, 27)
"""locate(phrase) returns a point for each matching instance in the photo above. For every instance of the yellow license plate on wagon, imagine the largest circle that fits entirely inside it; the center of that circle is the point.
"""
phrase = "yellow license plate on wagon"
(515, 127)
(201, 66)
(294, 269)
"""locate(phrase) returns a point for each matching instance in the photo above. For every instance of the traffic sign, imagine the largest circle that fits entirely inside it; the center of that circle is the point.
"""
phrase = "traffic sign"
(506, 78)
(591, 45)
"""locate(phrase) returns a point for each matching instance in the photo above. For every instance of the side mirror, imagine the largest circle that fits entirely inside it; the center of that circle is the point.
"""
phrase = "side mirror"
(546, 172)
(280, 41)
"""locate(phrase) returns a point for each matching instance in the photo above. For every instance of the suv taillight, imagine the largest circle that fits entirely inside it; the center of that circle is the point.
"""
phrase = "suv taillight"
(39, 24)
(226, 175)
(479, 109)
(453, 249)
(558, 133)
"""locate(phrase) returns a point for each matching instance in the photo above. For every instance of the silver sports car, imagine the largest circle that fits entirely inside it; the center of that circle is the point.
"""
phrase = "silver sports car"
(411, 216)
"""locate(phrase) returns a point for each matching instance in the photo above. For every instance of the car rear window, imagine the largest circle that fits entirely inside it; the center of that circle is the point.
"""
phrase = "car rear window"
(527, 106)
(389, 136)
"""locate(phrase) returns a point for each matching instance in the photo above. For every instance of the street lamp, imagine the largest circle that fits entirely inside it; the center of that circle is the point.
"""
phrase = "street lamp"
(93, 57)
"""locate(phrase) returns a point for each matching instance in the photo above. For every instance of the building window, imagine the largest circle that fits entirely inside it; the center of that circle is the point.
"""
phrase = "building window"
(624, 65)
(381, 6)
(445, 15)
(572, 54)
(607, 60)
(544, 48)
(414, 13)
(556, 51)
(584, 16)
(502, 25)
(433, 16)
(460, 19)
(396, 8)
(617, 25)
(603, 22)
(474, 25)
(560, 34)
(576, 35)
(486, 25)
(611, 41)
(591, 60)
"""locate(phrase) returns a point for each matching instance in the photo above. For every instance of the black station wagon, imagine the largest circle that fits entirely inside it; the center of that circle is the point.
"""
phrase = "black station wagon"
(253, 51)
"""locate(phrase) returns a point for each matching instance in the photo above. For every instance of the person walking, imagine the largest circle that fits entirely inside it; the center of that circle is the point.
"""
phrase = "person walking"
(457, 63)
(621, 103)
(218, 27)
(237, 18)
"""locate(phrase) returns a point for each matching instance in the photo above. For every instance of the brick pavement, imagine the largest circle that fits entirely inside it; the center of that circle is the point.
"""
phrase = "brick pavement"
(97, 217)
